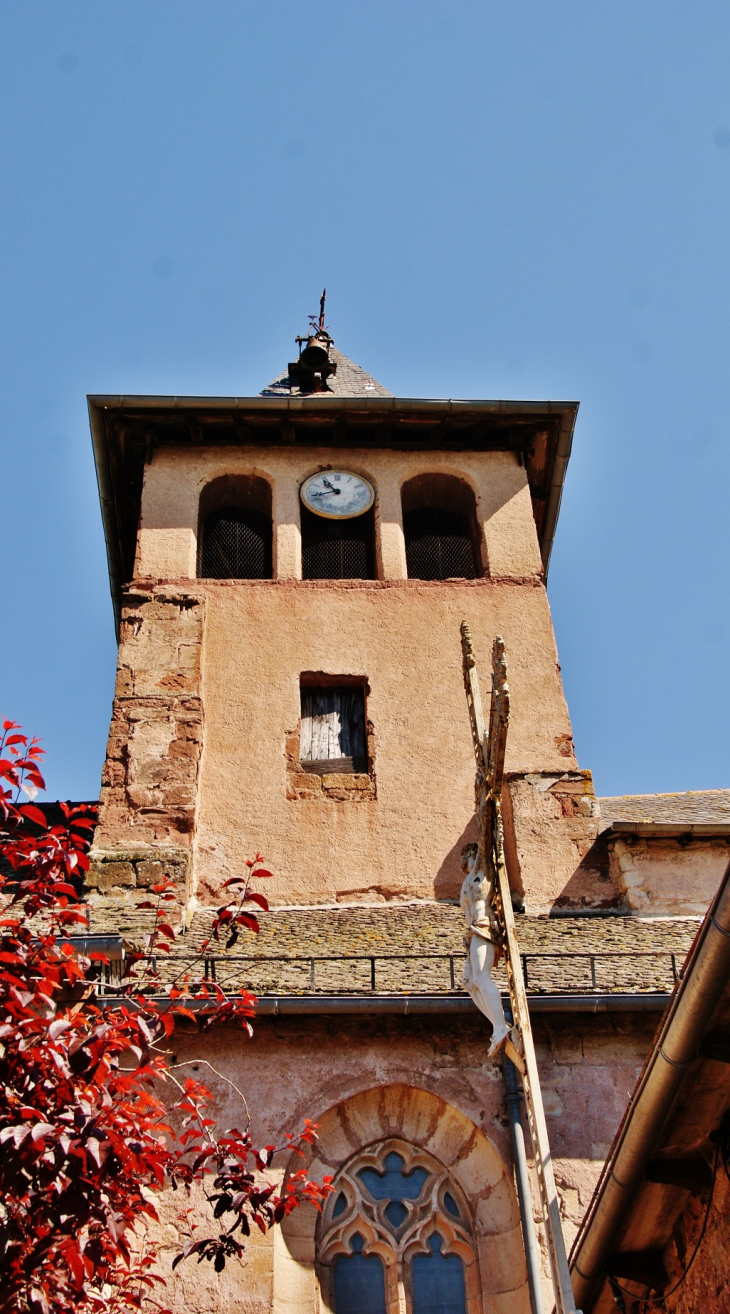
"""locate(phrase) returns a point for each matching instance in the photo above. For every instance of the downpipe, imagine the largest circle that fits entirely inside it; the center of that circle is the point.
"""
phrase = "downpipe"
(524, 1192)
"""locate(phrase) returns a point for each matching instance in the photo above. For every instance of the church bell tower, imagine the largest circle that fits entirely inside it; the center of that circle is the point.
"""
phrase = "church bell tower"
(289, 573)
(292, 574)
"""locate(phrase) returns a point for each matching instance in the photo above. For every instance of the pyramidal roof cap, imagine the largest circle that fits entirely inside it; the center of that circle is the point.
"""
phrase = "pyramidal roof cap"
(349, 381)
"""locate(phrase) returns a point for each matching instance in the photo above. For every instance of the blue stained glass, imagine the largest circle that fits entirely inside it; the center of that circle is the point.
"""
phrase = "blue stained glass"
(438, 1281)
(394, 1184)
(451, 1205)
(340, 1203)
(396, 1213)
(359, 1282)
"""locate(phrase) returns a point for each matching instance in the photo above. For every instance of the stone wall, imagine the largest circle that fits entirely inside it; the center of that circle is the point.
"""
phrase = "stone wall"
(149, 783)
(707, 1284)
(552, 848)
(365, 1080)
(669, 877)
(588, 1068)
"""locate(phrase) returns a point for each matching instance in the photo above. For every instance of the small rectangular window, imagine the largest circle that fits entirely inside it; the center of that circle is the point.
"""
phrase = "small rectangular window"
(332, 736)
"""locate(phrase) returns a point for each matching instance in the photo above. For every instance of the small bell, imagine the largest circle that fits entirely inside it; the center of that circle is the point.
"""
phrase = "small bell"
(314, 367)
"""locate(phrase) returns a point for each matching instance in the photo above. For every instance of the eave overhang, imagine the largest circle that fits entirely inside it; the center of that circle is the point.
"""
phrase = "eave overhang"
(126, 430)
(668, 830)
(662, 1153)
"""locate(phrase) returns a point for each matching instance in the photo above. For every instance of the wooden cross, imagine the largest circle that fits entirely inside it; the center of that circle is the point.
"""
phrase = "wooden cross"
(489, 751)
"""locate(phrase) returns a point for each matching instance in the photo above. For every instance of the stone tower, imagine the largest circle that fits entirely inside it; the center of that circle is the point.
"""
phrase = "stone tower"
(227, 640)
(289, 573)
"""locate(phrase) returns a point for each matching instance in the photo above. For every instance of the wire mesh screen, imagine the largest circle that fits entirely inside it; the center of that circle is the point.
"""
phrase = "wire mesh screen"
(438, 544)
(236, 544)
(337, 549)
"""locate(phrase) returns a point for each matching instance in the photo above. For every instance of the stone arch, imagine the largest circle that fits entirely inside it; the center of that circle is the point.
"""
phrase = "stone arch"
(447, 1134)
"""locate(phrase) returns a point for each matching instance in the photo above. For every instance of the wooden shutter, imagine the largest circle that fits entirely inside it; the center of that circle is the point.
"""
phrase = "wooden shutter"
(333, 730)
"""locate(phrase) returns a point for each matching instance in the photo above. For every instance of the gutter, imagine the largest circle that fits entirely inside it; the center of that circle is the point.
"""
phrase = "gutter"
(320, 401)
(667, 829)
(106, 499)
(416, 1005)
(557, 483)
(705, 979)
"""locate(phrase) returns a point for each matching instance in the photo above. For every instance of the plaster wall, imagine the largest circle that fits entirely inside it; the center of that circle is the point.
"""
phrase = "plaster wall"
(664, 877)
(167, 542)
(428, 1082)
(403, 637)
(553, 856)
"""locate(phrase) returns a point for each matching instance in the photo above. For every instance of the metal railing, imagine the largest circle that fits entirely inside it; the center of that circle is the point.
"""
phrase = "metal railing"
(565, 973)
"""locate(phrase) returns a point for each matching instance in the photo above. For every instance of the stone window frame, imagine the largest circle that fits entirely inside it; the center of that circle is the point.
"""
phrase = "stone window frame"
(396, 1247)
(335, 787)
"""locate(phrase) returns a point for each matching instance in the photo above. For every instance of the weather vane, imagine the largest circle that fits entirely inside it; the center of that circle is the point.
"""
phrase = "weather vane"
(314, 367)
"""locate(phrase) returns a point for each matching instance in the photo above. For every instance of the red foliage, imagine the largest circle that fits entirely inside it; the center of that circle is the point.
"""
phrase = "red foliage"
(86, 1138)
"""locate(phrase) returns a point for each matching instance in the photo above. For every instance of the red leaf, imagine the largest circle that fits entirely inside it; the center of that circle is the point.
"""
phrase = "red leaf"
(255, 897)
(262, 872)
(180, 1011)
(248, 920)
(33, 814)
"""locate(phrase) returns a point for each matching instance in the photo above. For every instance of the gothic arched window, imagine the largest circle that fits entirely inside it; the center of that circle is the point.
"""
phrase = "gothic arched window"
(396, 1233)
(440, 528)
(235, 538)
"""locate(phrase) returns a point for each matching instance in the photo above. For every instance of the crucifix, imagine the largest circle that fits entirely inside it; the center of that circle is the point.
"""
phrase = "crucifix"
(496, 924)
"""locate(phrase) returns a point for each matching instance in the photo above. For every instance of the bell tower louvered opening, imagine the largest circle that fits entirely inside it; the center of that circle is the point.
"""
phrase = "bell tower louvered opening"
(235, 538)
(440, 527)
(338, 549)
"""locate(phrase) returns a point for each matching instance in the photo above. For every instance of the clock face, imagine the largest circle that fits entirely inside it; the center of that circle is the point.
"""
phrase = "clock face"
(337, 494)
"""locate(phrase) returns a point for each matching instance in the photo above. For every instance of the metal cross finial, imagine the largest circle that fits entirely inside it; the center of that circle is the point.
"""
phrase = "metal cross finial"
(317, 326)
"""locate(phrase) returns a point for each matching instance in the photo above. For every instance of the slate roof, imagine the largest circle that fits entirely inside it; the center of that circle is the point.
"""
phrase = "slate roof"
(695, 811)
(349, 381)
(413, 946)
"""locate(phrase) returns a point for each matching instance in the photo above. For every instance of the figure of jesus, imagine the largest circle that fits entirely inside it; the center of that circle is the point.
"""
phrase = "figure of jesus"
(481, 941)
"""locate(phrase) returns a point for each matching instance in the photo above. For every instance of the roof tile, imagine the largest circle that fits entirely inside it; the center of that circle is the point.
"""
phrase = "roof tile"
(695, 807)
(412, 945)
(349, 381)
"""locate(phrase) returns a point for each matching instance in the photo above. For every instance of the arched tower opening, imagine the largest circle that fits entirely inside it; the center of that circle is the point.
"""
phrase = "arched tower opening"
(441, 530)
(235, 534)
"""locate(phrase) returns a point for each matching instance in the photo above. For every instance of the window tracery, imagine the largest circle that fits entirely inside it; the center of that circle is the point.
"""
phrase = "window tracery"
(396, 1235)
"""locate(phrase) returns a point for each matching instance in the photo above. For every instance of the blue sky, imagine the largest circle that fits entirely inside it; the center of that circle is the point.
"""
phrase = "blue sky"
(522, 201)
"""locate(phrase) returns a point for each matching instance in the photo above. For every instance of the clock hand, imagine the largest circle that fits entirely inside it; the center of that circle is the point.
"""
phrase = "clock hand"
(331, 486)
(327, 493)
